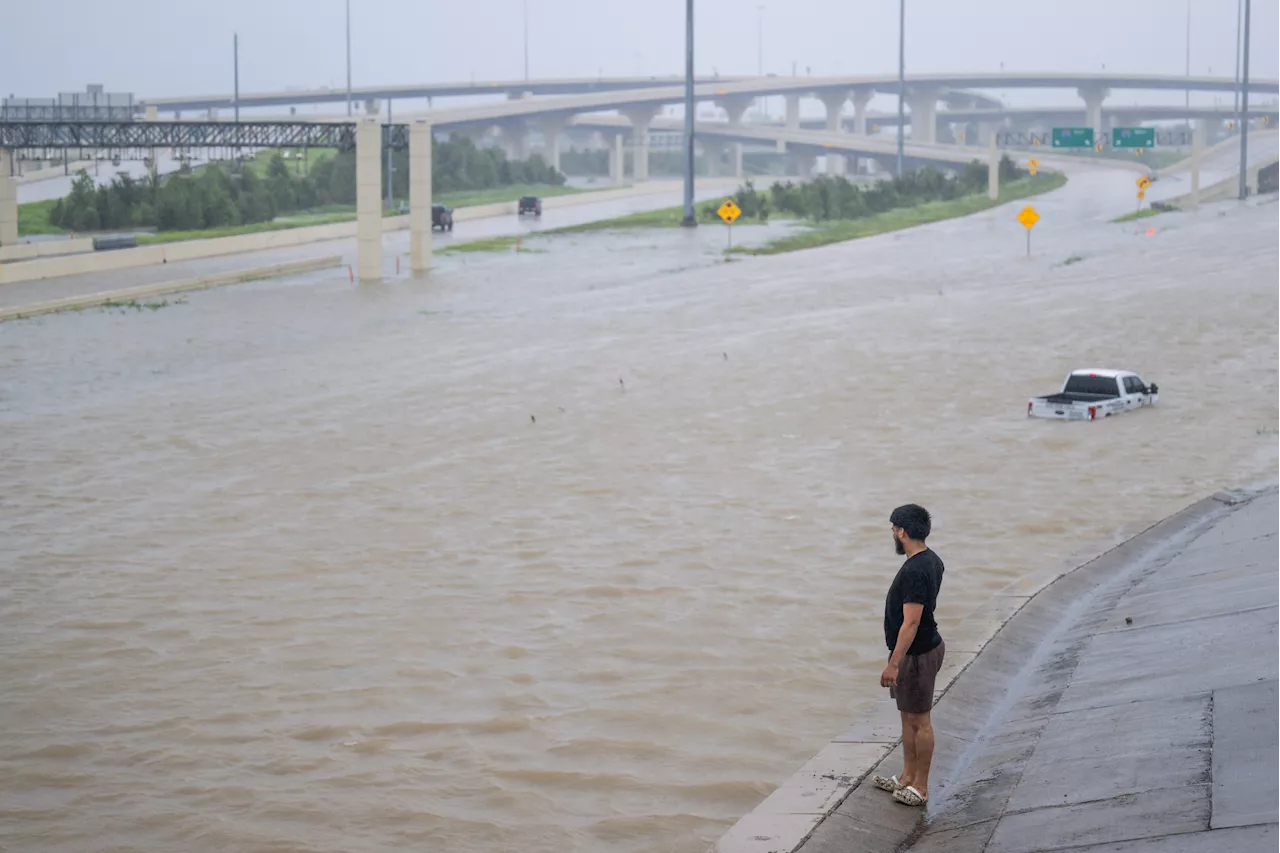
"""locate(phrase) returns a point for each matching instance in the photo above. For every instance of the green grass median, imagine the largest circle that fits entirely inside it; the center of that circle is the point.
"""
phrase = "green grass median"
(838, 231)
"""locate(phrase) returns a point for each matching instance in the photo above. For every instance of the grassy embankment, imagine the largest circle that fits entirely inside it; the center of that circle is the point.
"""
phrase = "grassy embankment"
(837, 231)
(825, 233)
(1145, 213)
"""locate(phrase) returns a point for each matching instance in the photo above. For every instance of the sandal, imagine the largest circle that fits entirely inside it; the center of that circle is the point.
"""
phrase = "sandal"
(889, 783)
(909, 796)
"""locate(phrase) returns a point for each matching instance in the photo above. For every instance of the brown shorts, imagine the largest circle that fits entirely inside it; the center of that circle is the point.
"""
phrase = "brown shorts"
(916, 677)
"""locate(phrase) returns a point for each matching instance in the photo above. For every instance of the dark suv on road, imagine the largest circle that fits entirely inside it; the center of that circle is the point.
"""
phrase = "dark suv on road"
(441, 217)
(529, 204)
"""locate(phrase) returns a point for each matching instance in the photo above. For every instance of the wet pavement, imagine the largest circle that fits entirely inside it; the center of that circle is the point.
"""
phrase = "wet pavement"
(1128, 708)
(656, 195)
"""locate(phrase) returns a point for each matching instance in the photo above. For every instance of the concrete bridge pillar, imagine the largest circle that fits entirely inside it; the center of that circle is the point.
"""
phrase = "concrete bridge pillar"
(369, 199)
(212, 114)
(420, 140)
(372, 107)
(861, 97)
(713, 151)
(551, 129)
(793, 112)
(834, 103)
(1093, 97)
(515, 140)
(618, 160)
(923, 103)
(735, 107)
(8, 200)
(640, 119)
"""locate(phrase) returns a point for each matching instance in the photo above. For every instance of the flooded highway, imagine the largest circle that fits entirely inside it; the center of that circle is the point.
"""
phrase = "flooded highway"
(575, 550)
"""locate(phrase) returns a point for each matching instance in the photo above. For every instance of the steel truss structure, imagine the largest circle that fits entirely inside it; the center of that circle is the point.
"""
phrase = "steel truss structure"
(137, 139)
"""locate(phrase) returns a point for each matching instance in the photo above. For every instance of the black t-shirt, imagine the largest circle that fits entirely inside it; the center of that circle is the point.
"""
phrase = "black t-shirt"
(918, 582)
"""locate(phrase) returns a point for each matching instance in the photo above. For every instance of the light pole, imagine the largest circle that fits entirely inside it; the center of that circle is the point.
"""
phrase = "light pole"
(348, 57)
(1187, 94)
(235, 58)
(690, 219)
(1242, 117)
(760, 41)
(902, 76)
(1239, 17)
(525, 9)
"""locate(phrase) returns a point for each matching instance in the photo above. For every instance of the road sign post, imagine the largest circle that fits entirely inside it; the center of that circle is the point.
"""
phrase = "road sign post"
(1073, 137)
(1032, 165)
(729, 212)
(1142, 183)
(1028, 217)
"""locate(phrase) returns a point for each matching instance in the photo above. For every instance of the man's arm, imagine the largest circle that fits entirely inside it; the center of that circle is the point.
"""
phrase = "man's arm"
(911, 615)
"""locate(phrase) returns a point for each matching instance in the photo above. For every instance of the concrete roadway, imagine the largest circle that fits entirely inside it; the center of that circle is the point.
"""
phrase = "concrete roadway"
(632, 90)
(1128, 708)
(651, 196)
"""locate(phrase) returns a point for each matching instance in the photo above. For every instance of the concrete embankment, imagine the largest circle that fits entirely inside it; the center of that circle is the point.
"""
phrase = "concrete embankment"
(1128, 706)
(165, 288)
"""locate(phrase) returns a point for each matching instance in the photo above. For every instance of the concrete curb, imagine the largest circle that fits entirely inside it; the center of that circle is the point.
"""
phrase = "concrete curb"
(832, 779)
(92, 300)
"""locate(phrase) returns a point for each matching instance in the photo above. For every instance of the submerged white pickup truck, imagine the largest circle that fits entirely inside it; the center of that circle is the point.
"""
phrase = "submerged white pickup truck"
(1091, 395)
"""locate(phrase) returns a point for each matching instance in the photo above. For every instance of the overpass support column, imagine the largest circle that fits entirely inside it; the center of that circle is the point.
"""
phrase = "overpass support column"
(861, 97)
(834, 103)
(369, 199)
(420, 140)
(8, 200)
(618, 160)
(993, 168)
(924, 115)
(736, 108)
(640, 120)
(515, 140)
(551, 130)
(713, 151)
(1093, 97)
(793, 112)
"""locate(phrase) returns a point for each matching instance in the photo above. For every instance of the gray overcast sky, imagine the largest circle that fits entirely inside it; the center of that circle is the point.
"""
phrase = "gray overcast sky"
(176, 47)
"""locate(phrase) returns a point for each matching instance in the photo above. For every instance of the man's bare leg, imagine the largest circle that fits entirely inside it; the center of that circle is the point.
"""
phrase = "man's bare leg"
(921, 728)
(908, 776)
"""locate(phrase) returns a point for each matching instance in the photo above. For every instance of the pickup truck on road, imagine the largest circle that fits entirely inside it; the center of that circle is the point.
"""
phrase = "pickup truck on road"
(1091, 395)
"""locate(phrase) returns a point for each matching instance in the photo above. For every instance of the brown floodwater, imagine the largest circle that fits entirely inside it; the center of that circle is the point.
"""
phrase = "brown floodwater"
(582, 550)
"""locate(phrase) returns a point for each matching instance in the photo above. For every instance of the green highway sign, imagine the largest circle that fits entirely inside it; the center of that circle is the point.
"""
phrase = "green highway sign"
(1133, 137)
(1073, 137)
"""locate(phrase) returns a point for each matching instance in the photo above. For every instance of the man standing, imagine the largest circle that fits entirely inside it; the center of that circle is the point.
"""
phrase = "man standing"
(915, 651)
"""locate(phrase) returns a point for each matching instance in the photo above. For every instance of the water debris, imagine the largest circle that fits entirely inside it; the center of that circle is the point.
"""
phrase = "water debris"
(1074, 259)
(622, 385)
(726, 355)
(532, 419)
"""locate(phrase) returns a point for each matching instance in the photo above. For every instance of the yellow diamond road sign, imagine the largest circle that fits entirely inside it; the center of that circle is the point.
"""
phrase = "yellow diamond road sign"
(729, 211)
(1144, 182)
(1028, 217)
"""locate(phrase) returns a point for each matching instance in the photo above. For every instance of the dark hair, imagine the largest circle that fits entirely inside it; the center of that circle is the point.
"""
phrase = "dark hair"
(914, 521)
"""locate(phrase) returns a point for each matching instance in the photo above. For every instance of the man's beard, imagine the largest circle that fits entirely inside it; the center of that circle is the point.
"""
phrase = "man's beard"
(898, 546)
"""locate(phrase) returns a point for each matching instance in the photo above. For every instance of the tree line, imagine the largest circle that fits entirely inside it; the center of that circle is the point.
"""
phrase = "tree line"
(218, 195)
(827, 198)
